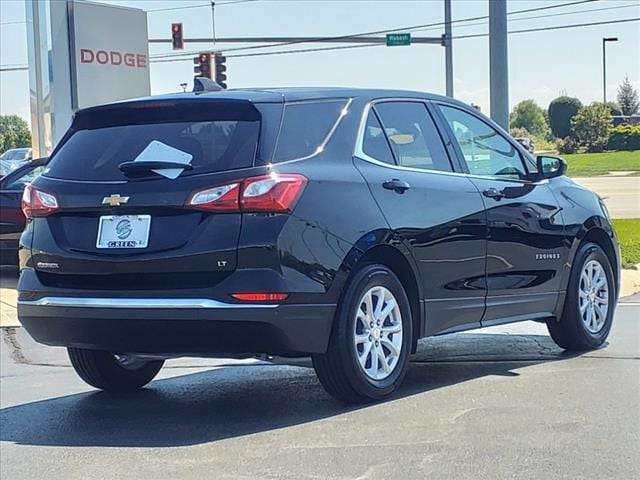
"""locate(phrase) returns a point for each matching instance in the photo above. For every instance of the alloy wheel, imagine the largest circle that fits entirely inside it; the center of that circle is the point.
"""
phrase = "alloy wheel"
(378, 333)
(593, 294)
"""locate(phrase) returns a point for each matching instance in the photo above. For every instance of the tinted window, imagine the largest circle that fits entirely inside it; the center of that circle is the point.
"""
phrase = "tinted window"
(375, 143)
(24, 179)
(486, 152)
(94, 154)
(413, 136)
(306, 127)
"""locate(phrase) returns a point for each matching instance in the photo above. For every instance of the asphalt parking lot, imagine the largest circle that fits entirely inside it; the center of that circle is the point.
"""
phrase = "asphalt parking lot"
(498, 403)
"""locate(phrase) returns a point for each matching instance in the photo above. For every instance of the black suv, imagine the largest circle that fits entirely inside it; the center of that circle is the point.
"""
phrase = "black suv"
(343, 224)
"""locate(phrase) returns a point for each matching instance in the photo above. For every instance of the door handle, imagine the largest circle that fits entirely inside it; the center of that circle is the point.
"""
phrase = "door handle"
(396, 185)
(493, 193)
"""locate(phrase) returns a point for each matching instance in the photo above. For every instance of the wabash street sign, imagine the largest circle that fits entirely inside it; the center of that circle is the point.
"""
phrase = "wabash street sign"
(110, 59)
(398, 39)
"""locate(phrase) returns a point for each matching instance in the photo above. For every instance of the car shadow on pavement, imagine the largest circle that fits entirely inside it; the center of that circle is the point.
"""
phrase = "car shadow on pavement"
(232, 402)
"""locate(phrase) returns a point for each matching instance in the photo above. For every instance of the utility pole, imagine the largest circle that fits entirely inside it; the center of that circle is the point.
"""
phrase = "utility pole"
(604, 65)
(448, 49)
(498, 63)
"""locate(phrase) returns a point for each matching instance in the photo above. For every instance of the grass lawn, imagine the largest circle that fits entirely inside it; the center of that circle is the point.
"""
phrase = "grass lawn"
(592, 164)
(628, 230)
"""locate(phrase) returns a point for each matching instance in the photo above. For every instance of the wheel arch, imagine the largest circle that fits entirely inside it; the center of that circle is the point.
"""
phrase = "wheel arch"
(598, 230)
(397, 257)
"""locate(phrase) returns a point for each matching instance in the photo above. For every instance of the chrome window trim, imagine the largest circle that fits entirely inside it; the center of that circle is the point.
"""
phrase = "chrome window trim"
(145, 303)
(343, 113)
(359, 149)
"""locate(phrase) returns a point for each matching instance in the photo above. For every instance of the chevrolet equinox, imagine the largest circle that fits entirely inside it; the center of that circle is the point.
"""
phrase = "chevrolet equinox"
(341, 224)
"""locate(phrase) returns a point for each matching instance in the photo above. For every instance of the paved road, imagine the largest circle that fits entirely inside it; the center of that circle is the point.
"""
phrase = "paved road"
(620, 194)
(505, 403)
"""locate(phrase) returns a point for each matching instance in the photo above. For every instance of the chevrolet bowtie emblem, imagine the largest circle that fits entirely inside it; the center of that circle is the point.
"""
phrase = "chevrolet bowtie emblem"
(114, 200)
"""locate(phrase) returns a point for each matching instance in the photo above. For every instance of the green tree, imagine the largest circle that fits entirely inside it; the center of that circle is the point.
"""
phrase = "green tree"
(14, 133)
(528, 115)
(628, 98)
(561, 111)
(612, 106)
(592, 125)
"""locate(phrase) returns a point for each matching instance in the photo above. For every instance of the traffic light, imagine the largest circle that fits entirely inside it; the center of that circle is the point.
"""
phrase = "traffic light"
(203, 65)
(221, 68)
(176, 36)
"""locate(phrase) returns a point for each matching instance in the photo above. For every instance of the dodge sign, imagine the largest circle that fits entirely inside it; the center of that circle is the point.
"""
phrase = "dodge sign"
(110, 53)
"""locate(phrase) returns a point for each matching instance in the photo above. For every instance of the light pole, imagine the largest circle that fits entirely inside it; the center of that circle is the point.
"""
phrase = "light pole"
(604, 65)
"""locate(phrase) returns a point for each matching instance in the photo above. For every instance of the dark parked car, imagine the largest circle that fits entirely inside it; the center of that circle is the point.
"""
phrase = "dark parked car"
(12, 220)
(343, 224)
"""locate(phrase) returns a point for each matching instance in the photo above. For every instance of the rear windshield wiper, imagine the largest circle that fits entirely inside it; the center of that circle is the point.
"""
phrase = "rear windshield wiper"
(144, 166)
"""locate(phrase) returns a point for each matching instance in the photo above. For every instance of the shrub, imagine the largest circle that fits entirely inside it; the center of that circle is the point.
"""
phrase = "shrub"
(519, 132)
(567, 145)
(592, 125)
(624, 137)
(561, 111)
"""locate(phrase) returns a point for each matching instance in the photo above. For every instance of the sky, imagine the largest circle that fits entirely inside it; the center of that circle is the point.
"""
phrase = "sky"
(542, 65)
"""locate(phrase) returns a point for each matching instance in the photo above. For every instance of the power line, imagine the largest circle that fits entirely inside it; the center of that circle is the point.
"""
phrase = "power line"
(279, 52)
(322, 49)
(174, 57)
(477, 23)
(535, 17)
(378, 32)
(556, 27)
(200, 5)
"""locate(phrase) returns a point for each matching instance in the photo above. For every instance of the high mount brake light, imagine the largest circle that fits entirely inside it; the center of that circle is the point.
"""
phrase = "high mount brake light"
(36, 203)
(271, 193)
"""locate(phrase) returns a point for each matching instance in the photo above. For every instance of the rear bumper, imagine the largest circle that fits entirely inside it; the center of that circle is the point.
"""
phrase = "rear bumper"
(185, 326)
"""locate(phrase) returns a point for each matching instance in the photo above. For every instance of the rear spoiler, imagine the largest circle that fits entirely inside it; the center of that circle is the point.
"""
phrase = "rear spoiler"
(138, 112)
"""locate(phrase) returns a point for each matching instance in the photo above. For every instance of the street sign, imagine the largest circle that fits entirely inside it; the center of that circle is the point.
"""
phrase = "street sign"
(398, 39)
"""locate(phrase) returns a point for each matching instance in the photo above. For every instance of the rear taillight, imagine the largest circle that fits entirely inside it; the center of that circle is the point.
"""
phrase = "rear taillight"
(36, 203)
(271, 193)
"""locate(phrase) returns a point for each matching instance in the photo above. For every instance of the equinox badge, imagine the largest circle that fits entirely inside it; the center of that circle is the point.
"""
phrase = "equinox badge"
(114, 200)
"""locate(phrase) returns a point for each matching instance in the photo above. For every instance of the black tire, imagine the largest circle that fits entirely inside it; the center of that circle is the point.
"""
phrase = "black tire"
(338, 369)
(570, 332)
(102, 370)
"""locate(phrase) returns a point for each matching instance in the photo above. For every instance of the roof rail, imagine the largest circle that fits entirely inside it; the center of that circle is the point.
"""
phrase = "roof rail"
(204, 84)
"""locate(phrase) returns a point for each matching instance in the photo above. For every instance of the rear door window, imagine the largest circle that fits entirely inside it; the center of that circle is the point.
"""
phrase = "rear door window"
(307, 127)
(413, 136)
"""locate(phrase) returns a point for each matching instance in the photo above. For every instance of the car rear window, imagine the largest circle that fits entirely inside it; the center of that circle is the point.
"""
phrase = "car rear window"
(307, 127)
(95, 154)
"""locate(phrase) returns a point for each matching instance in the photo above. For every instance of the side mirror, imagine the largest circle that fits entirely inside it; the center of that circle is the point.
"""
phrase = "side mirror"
(551, 167)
